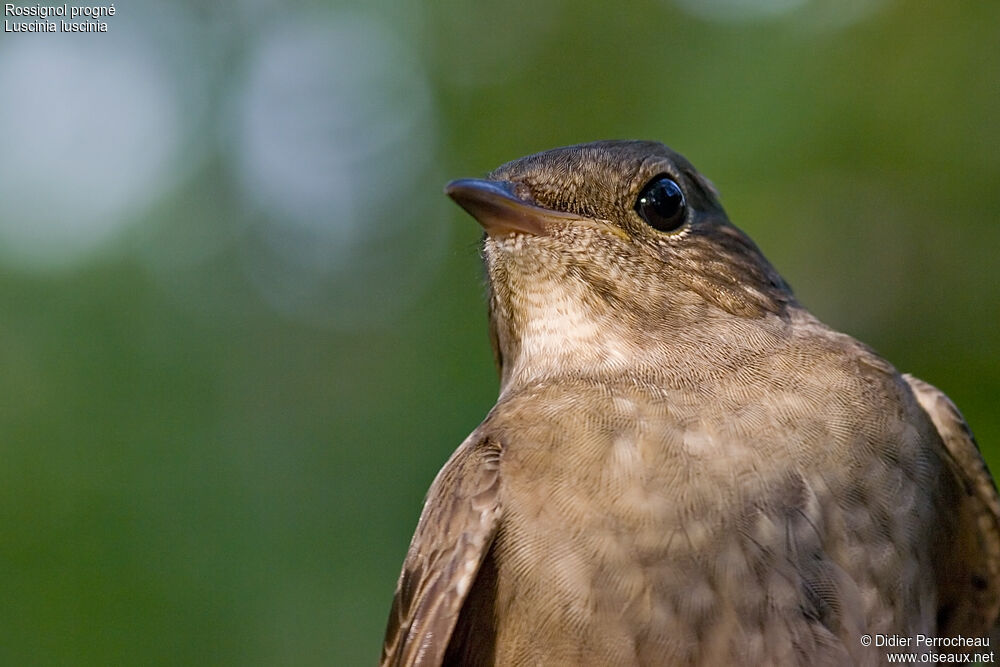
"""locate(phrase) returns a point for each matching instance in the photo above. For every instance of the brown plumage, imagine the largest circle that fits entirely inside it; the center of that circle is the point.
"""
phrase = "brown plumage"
(683, 466)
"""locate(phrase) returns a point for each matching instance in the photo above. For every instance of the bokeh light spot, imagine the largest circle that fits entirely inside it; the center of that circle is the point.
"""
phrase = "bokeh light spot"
(335, 138)
(88, 128)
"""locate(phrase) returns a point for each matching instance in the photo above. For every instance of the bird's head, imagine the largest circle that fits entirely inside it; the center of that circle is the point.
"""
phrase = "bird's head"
(602, 255)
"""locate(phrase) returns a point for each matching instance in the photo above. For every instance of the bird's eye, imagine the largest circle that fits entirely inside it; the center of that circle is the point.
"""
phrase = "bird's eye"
(661, 204)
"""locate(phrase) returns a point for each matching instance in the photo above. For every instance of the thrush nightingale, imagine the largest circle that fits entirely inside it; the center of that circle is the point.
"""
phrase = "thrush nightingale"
(684, 466)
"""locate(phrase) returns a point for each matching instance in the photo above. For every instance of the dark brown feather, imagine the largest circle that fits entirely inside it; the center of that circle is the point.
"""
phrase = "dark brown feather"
(455, 532)
(968, 569)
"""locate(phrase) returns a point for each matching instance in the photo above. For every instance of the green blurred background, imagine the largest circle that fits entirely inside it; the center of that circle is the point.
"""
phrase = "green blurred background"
(243, 328)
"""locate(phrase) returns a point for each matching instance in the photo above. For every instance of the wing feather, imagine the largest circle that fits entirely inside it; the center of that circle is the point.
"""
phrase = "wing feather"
(969, 578)
(454, 534)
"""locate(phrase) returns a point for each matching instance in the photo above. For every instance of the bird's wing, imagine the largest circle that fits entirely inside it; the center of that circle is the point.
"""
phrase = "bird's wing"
(969, 578)
(454, 534)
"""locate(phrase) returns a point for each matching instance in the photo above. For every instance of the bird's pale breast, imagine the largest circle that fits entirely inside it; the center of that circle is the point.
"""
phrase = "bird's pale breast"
(640, 527)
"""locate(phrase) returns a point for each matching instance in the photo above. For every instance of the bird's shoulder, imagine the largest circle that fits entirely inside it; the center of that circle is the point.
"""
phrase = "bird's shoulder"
(455, 531)
(968, 567)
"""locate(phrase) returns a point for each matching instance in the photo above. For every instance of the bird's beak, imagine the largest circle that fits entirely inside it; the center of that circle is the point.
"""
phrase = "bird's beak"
(496, 206)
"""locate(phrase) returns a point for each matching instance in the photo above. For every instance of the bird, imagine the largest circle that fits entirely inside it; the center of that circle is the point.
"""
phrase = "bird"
(683, 466)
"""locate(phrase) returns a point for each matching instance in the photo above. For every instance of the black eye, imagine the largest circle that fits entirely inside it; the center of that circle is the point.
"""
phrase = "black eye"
(661, 204)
